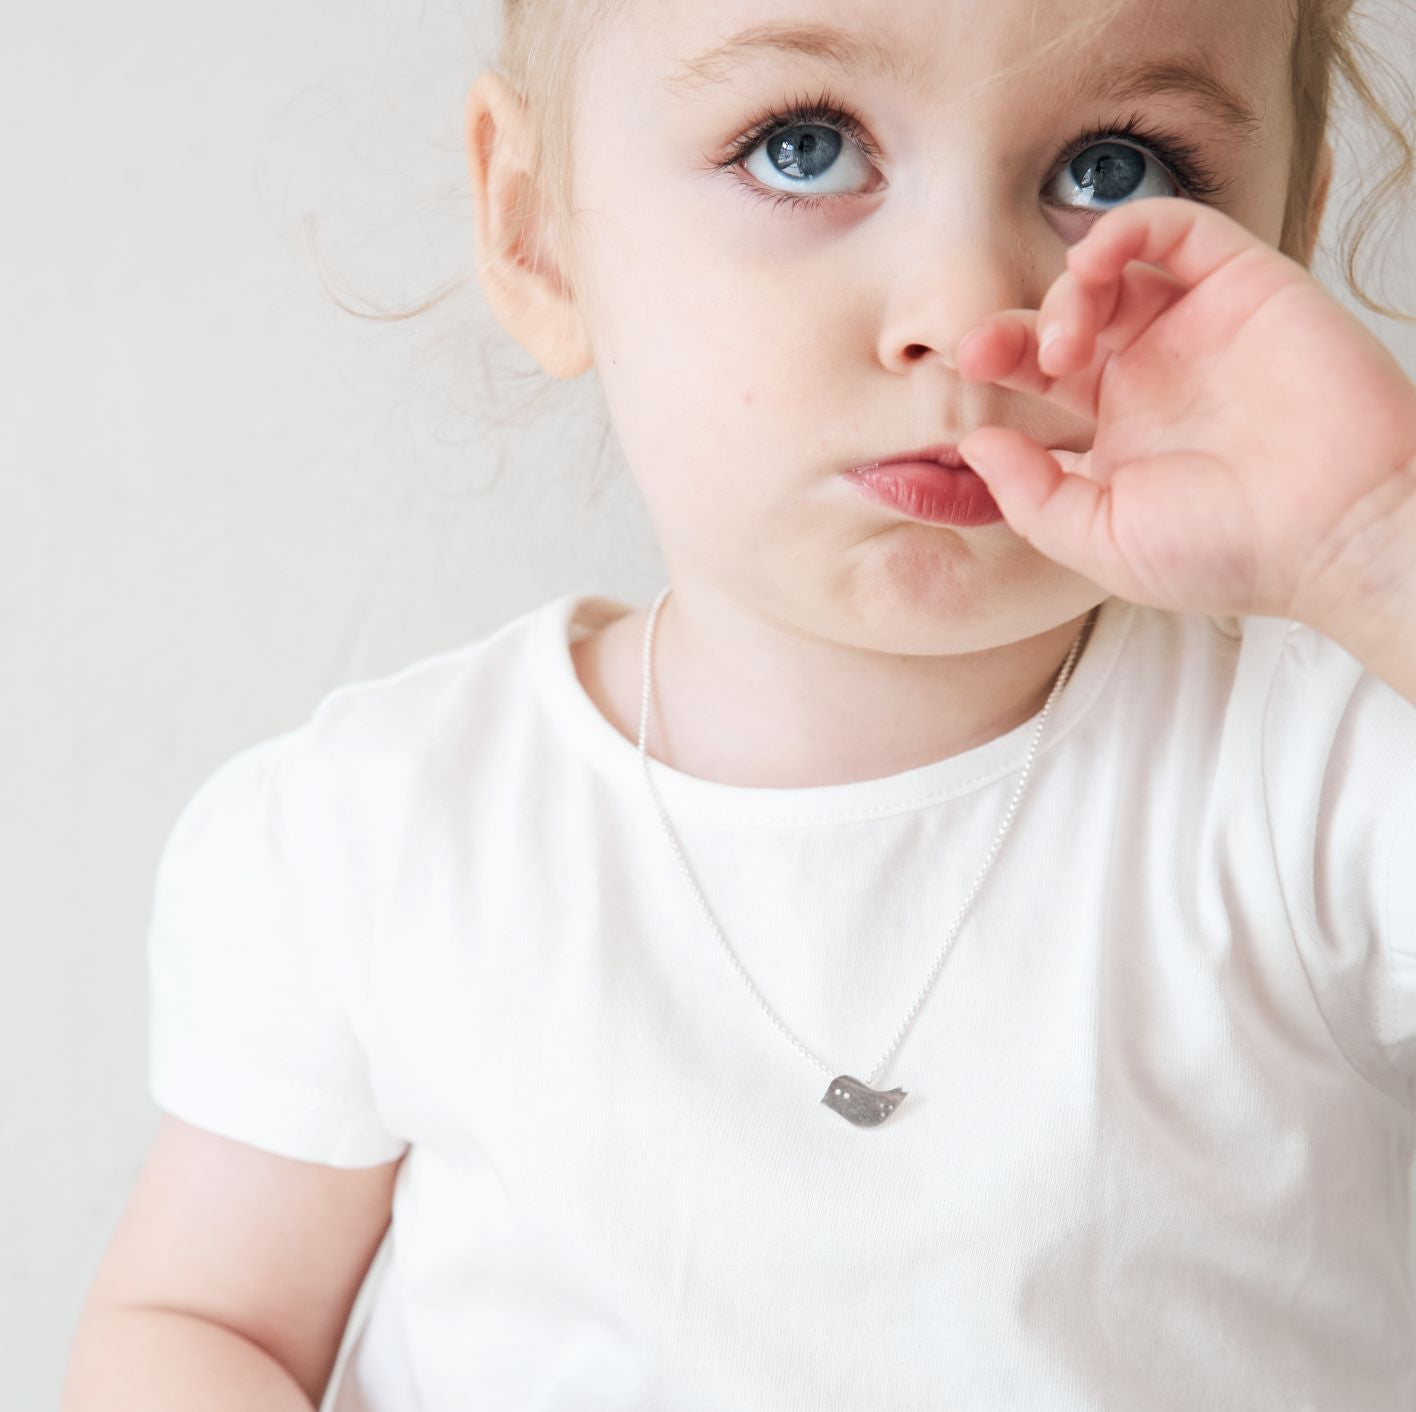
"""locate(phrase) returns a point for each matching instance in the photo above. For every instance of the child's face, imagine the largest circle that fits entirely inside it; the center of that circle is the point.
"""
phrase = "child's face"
(751, 352)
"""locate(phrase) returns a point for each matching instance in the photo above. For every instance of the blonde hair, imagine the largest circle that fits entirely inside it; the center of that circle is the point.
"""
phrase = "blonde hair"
(543, 40)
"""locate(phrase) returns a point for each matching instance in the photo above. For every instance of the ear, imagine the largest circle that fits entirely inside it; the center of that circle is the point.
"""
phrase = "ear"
(516, 261)
(1322, 184)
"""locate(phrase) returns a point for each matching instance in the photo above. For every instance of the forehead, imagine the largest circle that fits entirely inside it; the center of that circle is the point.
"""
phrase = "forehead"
(691, 50)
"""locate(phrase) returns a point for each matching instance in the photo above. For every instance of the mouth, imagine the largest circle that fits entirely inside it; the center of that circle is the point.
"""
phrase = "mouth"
(943, 455)
(933, 484)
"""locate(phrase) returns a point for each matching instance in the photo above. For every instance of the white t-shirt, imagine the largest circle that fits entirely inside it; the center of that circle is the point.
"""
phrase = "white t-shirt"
(1159, 1120)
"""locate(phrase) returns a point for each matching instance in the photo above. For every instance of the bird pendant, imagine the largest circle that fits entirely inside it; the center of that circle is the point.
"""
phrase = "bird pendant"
(860, 1104)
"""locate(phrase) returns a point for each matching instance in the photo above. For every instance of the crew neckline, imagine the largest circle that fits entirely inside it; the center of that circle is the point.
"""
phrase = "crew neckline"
(574, 615)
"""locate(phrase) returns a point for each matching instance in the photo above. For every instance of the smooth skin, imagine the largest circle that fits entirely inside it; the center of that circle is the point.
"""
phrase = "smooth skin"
(265, 1247)
(751, 353)
(1245, 483)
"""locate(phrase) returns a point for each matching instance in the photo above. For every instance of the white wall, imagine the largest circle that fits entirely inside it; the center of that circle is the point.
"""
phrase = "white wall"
(220, 497)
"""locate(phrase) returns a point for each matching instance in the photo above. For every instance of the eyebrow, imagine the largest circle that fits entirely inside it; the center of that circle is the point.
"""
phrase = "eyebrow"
(845, 49)
(863, 53)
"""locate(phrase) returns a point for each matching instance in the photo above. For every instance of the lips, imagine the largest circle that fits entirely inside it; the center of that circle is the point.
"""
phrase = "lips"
(942, 455)
(928, 491)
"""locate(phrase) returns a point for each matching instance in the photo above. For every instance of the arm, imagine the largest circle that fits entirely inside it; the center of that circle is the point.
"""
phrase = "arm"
(147, 1359)
(229, 1280)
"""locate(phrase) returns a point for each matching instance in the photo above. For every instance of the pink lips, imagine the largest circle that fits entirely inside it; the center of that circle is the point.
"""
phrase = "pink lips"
(934, 485)
(944, 455)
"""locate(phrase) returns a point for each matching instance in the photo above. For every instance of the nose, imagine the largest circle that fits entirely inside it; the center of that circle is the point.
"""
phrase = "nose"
(942, 288)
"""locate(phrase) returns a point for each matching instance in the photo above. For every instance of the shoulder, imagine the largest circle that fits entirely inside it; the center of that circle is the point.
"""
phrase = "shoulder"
(417, 700)
(1277, 673)
(1339, 782)
(1193, 677)
(1260, 703)
(361, 763)
(1323, 705)
(367, 735)
(1339, 760)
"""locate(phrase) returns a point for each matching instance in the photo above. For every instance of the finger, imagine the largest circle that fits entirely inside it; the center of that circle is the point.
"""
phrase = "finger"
(1076, 318)
(1144, 293)
(1064, 516)
(1187, 238)
(1004, 350)
(1068, 321)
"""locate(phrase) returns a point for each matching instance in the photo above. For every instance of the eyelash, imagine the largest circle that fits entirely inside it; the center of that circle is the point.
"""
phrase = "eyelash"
(1182, 159)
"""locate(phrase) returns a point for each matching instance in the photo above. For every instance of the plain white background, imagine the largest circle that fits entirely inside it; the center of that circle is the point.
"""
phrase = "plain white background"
(221, 496)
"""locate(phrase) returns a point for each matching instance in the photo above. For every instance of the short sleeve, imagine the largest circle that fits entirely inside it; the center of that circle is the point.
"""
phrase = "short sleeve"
(1339, 755)
(250, 963)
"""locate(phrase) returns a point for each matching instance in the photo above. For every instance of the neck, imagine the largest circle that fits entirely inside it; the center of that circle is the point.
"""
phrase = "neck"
(745, 700)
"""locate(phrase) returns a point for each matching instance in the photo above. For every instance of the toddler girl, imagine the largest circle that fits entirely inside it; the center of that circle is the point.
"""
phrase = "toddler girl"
(958, 948)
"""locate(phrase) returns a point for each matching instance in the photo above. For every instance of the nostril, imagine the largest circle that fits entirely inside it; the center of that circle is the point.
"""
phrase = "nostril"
(915, 352)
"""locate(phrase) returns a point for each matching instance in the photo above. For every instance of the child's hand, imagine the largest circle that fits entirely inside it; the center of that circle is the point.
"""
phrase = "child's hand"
(1253, 440)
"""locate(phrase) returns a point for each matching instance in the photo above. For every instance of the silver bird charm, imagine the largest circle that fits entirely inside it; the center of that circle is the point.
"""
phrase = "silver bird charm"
(860, 1104)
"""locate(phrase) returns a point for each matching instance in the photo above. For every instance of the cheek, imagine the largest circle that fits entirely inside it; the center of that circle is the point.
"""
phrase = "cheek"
(725, 343)
(710, 346)
(727, 426)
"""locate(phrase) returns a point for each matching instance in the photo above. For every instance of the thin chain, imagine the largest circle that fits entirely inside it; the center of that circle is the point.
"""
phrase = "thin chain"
(648, 660)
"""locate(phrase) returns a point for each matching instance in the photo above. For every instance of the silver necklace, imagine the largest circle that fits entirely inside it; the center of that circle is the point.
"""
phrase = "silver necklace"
(857, 1102)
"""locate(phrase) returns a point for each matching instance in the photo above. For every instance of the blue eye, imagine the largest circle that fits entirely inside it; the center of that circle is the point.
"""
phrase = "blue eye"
(1104, 167)
(1106, 174)
(804, 153)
